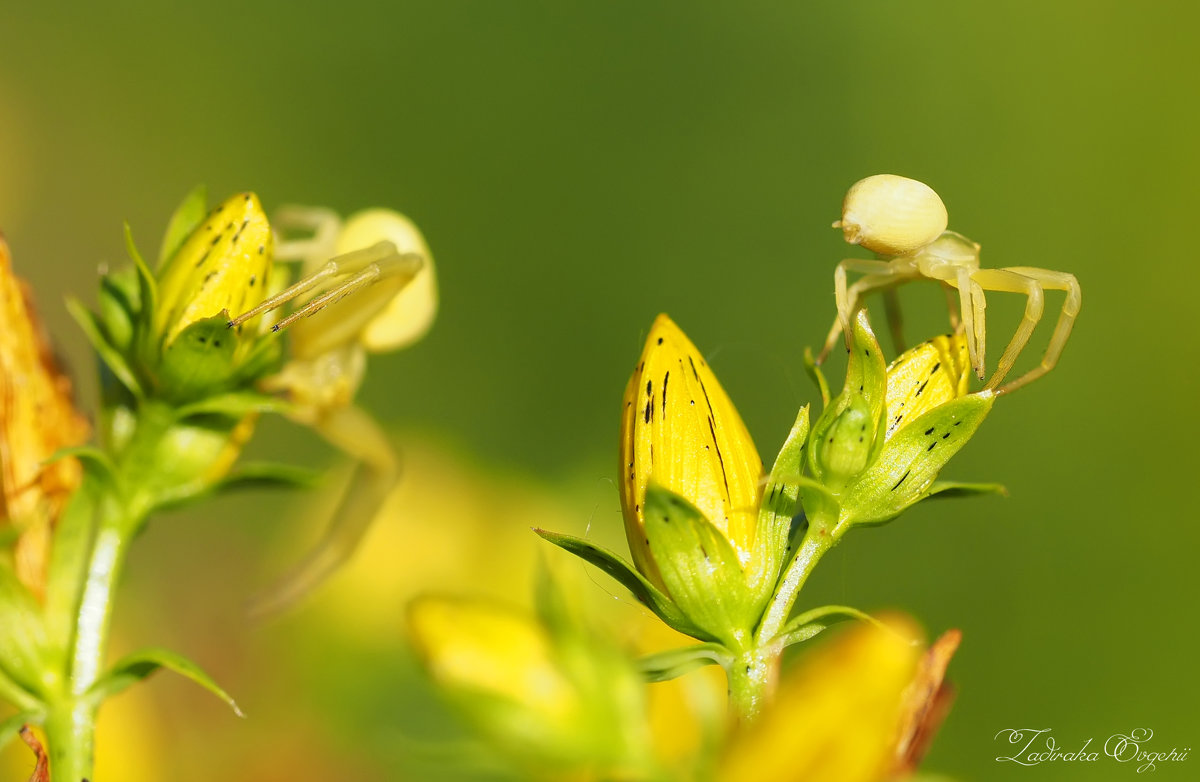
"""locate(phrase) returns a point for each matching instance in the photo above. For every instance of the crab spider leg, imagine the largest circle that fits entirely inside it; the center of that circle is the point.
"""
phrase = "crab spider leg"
(971, 305)
(1052, 280)
(1012, 282)
(324, 225)
(862, 286)
(363, 266)
(353, 431)
(880, 274)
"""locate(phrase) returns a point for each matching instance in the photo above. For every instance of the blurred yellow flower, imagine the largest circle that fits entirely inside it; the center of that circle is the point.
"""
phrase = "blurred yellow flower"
(855, 710)
(37, 418)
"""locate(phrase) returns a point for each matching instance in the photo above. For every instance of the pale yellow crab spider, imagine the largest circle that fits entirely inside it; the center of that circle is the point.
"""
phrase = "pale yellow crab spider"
(375, 291)
(904, 222)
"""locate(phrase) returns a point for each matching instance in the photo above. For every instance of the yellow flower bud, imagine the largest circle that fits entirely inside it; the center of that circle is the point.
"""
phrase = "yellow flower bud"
(681, 430)
(222, 266)
(929, 375)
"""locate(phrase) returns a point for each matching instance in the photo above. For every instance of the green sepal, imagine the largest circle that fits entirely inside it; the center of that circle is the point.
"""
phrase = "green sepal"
(817, 376)
(912, 458)
(780, 503)
(119, 308)
(671, 664)
(847, 434)
(11, 726)
(235, 404)
(137, 666)
(625, 574)
(699, 566)
(184, 220)
(199, 362)
(23, 648)
(147, 298)
(815, 500)
(109, 355)
(95, 461)
(804, 626)
(955, 489)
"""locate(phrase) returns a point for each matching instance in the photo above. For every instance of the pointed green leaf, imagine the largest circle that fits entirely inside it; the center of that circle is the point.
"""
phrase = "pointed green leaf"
(866, 371)
(646, 593)
(147, 286)
(111, 357)
(10, 727)
(269, 475)
(137, 666)
(953, 489)
(846, 434)
(23, 648)
(912, 458)
(780, 503)
(672, 664)
(119, 307)
(699, 566)
(187, 216)
(802, 627)
(95, 461)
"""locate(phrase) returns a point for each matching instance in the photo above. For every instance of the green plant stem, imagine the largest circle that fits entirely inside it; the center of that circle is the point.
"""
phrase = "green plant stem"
(754, 673)
(819, 538)
(752, 677)
(122, 509)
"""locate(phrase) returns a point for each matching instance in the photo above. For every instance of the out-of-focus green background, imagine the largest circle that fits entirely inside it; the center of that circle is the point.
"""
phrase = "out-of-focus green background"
(578, 168)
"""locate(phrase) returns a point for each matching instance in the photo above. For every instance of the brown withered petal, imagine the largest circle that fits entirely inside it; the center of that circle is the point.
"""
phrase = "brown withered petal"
(41, 772)
(37, 418)
(927, 701)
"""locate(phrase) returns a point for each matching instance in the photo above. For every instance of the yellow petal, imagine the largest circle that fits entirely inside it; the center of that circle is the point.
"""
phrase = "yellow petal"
(835, 719)
(924, 377)
(484, 648)
(679, 427)
(221, 266)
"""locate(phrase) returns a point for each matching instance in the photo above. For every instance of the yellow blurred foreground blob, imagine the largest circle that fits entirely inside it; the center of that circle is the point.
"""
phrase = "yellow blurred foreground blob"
(856, 710)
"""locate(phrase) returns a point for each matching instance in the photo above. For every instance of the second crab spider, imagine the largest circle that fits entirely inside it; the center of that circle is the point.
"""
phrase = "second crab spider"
(904, 222)
(372, 288)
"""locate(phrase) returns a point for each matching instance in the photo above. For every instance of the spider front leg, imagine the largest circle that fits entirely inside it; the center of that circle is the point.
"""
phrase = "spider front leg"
(880, 275)
(1051, 280)
(323, 226)
(354, 432)
(356, 270)
(1012, 282)
(972, 306)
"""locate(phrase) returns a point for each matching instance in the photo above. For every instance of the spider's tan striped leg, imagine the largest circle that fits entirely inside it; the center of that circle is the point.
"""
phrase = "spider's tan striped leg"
(359, 268)
(1050, 280)
(356, 433)
(1012, 282)
(880, 274)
